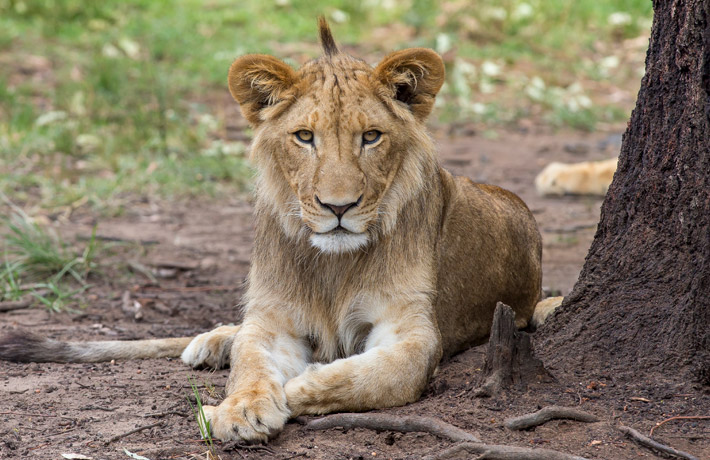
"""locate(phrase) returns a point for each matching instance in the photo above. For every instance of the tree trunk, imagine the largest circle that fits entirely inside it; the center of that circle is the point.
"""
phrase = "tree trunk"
(642, 301)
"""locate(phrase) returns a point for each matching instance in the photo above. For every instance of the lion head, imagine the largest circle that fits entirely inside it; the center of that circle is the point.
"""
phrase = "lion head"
(339, 146)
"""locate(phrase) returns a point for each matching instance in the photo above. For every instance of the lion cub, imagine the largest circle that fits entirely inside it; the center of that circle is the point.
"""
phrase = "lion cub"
(370, 261)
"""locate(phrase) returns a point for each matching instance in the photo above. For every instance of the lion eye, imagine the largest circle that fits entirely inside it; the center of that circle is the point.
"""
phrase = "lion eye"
(370, 137)
(305, 136)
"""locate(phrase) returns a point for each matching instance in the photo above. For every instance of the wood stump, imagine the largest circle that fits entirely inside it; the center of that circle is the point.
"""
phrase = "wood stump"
(510, 360)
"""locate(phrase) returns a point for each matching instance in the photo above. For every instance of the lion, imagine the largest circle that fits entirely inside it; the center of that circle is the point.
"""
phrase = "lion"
(584, 178)
(371, 262)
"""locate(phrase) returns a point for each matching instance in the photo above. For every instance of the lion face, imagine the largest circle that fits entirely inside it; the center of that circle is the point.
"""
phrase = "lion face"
(331, 138)
(338, 154)
(337, 158)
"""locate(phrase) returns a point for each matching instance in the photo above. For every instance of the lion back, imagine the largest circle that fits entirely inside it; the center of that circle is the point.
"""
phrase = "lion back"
(490, 250)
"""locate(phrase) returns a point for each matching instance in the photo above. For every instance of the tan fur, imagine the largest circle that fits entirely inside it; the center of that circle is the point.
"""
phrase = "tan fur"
(544, 309)
(360, 321)
(358, 317)
(585, 178)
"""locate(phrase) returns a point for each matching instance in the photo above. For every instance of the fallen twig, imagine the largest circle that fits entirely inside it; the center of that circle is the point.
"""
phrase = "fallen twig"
(179, 264)
(103, 408)
(387, 422)
(302, 454)
(133, 431)
(650, 443)
(679, 417)
(497, 452)
(16, 304)
(61, 432)
(236, 446)
(191, 288)
(25, 414)
(18, 392)
(165, 414)
(142, 269)
(549, 413)
(115, 239)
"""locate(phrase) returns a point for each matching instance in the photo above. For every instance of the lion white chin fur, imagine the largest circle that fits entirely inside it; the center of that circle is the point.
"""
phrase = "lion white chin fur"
(335, 243)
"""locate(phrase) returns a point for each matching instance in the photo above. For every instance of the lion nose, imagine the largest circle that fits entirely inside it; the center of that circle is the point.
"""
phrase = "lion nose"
(338, 210)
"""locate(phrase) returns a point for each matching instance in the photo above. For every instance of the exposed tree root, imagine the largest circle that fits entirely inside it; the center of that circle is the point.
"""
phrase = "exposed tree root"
(387, 422)
(470, 444)
(651, 444)
(546, 414)
(496, 452)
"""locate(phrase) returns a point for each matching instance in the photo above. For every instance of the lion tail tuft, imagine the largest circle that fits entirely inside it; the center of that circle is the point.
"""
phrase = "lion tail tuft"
(26, 347)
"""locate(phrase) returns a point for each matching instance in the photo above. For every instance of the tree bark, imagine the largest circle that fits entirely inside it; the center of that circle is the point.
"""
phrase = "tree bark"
(642, 301)
(510, 359)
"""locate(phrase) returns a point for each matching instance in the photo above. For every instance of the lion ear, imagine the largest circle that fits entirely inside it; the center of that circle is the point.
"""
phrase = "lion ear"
(260, 84)
(412, 76)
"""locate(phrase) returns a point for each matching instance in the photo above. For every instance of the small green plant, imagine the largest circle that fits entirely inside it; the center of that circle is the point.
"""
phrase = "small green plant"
(12, 289)
(37, 262)
(202, 423)
(54, 296)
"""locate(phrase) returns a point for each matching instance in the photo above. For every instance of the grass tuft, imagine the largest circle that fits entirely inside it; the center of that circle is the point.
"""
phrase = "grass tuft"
(37, 262)
(202, 423)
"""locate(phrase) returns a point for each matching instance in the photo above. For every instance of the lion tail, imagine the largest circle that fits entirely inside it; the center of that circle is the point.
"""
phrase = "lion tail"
(26, 347)
(544, 309)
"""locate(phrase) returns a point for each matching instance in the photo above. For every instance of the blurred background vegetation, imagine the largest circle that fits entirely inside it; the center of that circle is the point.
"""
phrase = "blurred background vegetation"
(108, 98)
(103, 103)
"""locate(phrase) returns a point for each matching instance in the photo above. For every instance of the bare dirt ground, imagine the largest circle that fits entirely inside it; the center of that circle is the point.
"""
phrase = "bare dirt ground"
(200, 252)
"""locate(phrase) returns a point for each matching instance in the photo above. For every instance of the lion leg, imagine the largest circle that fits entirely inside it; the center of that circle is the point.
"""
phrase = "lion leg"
(401, 353)
(210, 349)
(265, 354)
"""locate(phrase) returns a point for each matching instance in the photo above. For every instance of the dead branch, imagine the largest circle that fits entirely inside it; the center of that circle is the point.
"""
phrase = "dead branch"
(179, 264)
(115, 239)
(103, 408)
(25, 414)
(237, 446)
(165, 414)
(651, 444)
(497, 452)
(133, 431)
(387, 422)
(679, 417)
(546, 414)
(191, 288)
(16, 304)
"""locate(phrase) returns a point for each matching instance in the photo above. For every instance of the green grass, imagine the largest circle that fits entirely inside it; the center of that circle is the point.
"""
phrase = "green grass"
(104, 101)
(202, 423)
(556, 61)
(38, 263)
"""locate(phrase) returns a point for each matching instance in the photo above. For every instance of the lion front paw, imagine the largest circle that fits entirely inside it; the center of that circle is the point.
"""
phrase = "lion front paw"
(248, 418)
(210, 349)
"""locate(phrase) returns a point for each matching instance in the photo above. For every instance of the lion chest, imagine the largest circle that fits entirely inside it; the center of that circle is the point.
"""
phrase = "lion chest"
(344, 329)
